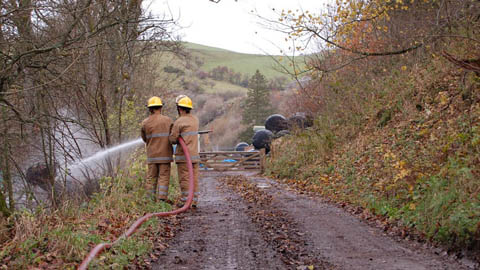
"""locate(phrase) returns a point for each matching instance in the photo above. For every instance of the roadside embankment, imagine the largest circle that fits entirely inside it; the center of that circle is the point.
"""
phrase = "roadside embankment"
(409, 154)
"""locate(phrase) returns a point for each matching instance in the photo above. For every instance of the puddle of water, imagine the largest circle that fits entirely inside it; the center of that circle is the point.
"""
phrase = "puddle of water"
(263, 185)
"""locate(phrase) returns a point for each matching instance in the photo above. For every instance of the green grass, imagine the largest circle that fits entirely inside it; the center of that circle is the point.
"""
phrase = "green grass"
(65, 236)
(239, 62)
(222, 87)
(195, 46)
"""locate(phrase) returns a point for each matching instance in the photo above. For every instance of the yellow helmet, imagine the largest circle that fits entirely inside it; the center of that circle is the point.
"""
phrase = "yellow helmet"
(178, 98)
(184, 101)
(154, 102)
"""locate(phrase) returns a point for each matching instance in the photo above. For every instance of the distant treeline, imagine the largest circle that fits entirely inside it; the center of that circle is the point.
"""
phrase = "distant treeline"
(223, 73)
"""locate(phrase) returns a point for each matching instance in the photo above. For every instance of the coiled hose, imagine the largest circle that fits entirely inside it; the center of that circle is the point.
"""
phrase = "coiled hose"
(100, 247)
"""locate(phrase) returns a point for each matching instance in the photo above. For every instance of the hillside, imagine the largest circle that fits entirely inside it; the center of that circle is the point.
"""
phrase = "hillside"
(239, 62)
(218, 93)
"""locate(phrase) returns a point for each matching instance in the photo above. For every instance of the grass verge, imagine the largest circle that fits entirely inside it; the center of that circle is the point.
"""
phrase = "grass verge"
(60, 239)
(418, 167)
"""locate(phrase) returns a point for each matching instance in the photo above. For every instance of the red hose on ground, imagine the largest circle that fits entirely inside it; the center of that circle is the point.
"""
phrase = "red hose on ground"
(100, 247)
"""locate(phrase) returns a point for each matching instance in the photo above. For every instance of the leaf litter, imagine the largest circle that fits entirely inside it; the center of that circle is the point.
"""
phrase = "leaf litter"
(275, 225)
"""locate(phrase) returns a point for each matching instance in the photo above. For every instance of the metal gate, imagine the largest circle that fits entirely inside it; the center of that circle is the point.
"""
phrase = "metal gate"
(233, 160)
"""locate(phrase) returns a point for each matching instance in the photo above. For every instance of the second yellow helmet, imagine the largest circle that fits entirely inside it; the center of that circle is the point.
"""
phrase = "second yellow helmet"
(185, 102)
(154, 102)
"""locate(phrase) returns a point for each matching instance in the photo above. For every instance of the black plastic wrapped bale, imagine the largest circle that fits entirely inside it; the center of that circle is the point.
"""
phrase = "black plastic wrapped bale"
(262, 139)
(299, 121)
(39, 175)
(281, 133)
(241, 146)
(276, 122)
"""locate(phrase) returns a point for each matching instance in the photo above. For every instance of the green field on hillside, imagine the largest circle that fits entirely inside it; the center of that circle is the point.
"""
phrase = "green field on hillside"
(213, 57)
(239, 62)
(222, 87)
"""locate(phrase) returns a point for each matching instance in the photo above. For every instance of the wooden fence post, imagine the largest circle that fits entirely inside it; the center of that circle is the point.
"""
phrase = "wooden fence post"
(262, 160)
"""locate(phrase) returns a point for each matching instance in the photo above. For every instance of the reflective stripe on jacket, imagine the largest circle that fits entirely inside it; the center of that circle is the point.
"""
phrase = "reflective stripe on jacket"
(187, 127)
(155, 132)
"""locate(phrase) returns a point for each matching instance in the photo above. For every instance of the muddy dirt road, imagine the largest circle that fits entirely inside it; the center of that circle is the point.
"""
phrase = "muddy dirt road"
(250, 222)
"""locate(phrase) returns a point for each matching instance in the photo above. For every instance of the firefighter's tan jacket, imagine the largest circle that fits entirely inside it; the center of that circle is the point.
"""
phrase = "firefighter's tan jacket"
(155, 132)
(187, 127)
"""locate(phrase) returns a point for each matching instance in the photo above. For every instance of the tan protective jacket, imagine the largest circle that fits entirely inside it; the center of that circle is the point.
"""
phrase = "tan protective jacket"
(187, 127)
(155, 131)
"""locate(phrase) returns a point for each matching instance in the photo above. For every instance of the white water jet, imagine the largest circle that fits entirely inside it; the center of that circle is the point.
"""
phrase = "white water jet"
(102, 154)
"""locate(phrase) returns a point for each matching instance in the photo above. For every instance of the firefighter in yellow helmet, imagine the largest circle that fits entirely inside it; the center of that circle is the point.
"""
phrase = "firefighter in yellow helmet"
(186, 126)
(155, 131)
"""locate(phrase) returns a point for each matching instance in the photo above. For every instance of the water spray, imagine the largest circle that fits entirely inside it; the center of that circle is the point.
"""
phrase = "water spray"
(102, 154)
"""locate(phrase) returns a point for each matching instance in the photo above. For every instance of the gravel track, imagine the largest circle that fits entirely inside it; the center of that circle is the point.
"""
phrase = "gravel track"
(249, 222)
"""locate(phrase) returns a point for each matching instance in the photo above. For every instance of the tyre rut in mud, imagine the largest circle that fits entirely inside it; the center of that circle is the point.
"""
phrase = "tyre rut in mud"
(218, 235)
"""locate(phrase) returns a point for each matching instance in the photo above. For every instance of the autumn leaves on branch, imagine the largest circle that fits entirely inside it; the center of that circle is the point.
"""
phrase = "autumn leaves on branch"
(352, 30)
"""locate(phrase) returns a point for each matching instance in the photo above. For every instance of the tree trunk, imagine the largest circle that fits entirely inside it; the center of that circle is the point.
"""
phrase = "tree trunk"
(3, 202)
(7, 178)
(3, 206)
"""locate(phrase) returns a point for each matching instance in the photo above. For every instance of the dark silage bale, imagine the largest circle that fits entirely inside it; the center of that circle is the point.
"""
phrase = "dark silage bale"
(299, 121)
(38, 175)
(262, 139)
(276, 123)
(241, 146)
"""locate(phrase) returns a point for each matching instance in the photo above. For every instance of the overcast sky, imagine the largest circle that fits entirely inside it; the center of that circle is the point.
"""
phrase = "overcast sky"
(230, 25)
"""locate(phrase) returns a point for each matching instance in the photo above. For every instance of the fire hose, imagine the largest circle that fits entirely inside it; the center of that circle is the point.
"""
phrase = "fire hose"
(100, 247)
